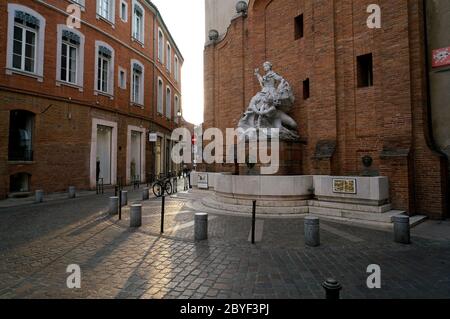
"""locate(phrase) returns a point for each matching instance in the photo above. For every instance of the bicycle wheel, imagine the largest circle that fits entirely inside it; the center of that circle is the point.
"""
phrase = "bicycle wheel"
(157, 189)
(168, 188)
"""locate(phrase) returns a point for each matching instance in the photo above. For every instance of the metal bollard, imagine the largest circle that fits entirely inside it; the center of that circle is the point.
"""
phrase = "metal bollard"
(39, 196)
(113, 205)
(145, 193)
(163, 201)
(124, 199)
(136, 215)
(402, 229)
(201, 226)
(253, 221)
(72, 192)
(312, 231)
(332, 289)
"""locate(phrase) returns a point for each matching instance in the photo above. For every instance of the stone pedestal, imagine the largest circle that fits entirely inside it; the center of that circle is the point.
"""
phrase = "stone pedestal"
(136, 215)
(290, 160)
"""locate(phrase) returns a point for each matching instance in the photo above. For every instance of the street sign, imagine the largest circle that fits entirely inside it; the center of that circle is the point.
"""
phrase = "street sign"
(152, 137)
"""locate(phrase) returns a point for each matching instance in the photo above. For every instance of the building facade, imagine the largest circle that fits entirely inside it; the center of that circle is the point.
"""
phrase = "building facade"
(83, 85)
(361, 93)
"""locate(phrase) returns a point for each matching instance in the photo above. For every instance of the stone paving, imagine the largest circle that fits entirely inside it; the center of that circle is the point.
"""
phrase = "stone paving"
(38, 242)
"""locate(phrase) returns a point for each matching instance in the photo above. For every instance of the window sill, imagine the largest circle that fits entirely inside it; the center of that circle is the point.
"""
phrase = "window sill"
(73, 86)
(104, 94)
(137, 105)
(10, 71)
(21, 162)
(99, 17)
(83, 8)
(138, 41)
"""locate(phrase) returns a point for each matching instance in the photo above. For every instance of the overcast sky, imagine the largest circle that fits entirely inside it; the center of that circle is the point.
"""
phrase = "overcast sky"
(186, 22)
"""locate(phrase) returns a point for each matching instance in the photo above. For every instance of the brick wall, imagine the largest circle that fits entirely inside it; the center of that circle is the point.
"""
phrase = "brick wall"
(62, 132)
(386, 121)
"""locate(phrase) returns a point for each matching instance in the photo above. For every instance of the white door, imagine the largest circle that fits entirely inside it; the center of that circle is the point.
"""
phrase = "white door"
(104, 141)
(136, 155)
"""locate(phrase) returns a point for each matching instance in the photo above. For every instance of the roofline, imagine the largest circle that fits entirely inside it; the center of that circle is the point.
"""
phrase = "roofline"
(164, 26)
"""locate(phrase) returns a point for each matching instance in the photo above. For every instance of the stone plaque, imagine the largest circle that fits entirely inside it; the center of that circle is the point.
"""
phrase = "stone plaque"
(202, 180)
(344, 186)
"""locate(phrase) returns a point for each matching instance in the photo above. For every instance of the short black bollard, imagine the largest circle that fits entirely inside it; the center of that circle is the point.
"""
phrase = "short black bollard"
(332, 289)
(253, 221)
(162, 213)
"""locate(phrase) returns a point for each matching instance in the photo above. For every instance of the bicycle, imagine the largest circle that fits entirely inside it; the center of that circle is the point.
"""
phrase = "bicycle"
(162, 186)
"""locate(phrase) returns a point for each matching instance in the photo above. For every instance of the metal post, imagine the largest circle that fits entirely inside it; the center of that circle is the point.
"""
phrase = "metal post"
(253, 221)
(332, 289)
(162, 212)
(402, 229)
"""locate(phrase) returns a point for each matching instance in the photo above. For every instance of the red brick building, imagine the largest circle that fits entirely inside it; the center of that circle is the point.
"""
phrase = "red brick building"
(359, 91)
(78, 103)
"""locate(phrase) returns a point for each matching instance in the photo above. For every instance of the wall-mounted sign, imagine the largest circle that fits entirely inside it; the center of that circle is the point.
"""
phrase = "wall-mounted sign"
(152, 137)
(441, 57)
(344, 186)
(202, 180)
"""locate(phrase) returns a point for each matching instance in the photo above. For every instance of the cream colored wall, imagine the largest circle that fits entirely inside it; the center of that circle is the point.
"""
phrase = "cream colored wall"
(218, 15)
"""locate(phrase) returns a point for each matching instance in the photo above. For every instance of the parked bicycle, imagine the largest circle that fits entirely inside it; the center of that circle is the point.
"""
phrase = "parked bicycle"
(162, 185)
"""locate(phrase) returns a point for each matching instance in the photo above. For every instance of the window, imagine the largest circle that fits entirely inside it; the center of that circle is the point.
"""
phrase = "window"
(365, 70)
(19, 183)
(306, 92)
(168, 103)
(70, 52)
(160, 46)
(176, 69)
(104, 76)
(177, 108)
(25, 48)
(137, 82)
(123, 11)
(21, 124)
(299, 27)
(169, 57)
(122, 78)
(80, 2)
(105, 9)
(160, 96)
(138, 22)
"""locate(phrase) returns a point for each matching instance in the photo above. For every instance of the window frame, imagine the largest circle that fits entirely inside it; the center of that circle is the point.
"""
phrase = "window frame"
(133, 22)
(176, 68)
(169, 57)
(110, 82)
(168, 103)
(141, 83)
(160, 97)
(39, 42)
(161, 41)
(111, 11)
(123, 3)
(80, 57)
(124, 71)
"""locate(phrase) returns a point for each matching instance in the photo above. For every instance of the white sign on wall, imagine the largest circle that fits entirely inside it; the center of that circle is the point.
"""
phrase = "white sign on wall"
(202, 180)
(152, 137)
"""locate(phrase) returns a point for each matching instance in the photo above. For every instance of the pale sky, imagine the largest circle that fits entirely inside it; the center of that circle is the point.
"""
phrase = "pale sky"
(186, 22)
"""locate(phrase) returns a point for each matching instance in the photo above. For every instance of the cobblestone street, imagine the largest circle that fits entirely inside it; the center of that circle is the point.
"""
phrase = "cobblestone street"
(39, 241)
